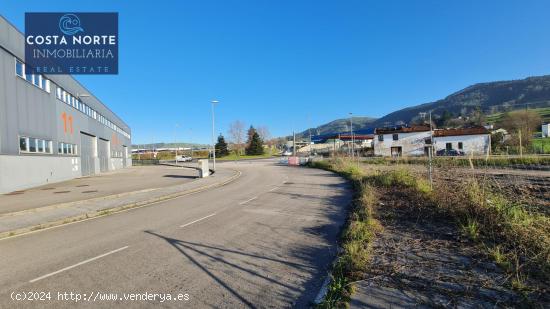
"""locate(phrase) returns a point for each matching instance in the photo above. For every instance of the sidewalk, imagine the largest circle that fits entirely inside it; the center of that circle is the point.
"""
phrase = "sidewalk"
(20, 222)
(117, 182)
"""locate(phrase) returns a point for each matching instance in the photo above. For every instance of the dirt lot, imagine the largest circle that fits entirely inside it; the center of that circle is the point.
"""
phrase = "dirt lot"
(420, 260)
(530, 187)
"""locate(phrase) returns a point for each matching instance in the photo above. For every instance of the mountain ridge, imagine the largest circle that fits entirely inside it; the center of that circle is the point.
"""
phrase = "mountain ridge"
(488, 97)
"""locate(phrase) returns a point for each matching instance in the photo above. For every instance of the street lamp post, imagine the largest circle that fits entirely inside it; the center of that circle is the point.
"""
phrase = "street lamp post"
(175, 142)
(213, 143)
(191, 140)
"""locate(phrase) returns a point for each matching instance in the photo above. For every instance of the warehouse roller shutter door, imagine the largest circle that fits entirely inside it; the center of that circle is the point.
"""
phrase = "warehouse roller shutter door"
(87, 154)
(125, 156)
(103, 151)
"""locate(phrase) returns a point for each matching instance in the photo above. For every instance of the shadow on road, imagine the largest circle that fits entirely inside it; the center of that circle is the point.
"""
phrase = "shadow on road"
(285, 264)
(181, 176)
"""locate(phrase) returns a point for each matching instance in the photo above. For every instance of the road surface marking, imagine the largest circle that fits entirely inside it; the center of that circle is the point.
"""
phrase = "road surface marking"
(78, 264)
(249, 200)
(210, 215)
(273, 189)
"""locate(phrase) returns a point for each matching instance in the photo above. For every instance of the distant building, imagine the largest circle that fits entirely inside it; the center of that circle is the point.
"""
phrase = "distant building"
(401, 141)
(416, 140)
(474, 141)
(545, 128)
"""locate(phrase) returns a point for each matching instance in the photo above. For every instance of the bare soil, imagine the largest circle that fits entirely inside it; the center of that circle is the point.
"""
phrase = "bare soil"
(422, 260)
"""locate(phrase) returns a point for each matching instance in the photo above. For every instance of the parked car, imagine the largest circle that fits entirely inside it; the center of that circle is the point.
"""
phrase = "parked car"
(287, 153)
(183, 159)
(449, 152)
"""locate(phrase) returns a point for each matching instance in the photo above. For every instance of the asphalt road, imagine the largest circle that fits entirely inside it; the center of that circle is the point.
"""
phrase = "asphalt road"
(264, 240)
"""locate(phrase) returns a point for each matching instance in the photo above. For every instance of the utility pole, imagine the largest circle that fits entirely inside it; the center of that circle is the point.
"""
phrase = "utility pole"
(213, 143)
(293, 143)
(431, 152)
(351, 131)
(520, 147)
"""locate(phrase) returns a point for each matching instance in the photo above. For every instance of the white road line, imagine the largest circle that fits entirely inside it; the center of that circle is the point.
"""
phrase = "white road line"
(273, 189)
(249, 200)
(78, 264)
(187, 224)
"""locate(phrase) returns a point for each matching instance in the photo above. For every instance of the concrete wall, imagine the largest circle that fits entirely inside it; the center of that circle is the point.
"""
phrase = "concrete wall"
(412, 144)
(22, 172)
(472, 144)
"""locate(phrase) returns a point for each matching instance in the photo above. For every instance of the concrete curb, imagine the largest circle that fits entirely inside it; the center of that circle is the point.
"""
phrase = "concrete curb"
(109, 211)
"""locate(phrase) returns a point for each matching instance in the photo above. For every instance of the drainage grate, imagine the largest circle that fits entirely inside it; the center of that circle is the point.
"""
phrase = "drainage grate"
(57, 192)
(91, 191)
(80, 186)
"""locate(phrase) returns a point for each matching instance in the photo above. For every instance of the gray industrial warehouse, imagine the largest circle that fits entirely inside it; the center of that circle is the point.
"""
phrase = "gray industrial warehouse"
(51, 127)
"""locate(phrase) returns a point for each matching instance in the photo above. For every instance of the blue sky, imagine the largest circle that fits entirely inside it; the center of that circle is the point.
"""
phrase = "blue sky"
(295, 63)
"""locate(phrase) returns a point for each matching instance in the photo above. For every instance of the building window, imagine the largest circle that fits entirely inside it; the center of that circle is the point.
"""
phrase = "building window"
(36, 80)
(39, 145)
(32, 144)
(449, 146)
(29, 77)
(395, 137)
(23, 144)
(460, 146)
(380, 138)
(67, 149)
(35, 145)
(19, 68)
(45, 84)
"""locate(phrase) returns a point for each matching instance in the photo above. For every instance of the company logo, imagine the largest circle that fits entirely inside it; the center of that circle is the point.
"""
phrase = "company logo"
(69, 24)
(56, 43)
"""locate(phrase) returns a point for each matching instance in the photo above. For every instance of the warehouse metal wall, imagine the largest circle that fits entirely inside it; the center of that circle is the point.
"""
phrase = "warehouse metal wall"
(26, 110)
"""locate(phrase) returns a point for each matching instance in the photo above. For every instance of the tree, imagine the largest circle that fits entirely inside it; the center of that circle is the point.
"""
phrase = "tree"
(221, 147)
(264, 133)
(249, 134)
(522, 122)
(442, 120)
(497, 141)
(477, 117)
(236, 131)
(255, 143)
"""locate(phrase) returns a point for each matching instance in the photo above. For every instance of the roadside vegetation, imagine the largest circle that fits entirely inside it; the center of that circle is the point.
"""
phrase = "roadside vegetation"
(505, 230)
(525, 161)
(356, 238)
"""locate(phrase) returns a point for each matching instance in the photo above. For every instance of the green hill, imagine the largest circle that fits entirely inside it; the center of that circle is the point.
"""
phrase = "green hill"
(544, 113)
(492, 98)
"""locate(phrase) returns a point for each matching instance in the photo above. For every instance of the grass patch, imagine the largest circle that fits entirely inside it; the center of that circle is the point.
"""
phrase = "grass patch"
(235, 157)
(356, 238)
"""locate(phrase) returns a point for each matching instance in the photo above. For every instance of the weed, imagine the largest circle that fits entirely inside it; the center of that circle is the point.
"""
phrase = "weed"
(499, 257)
(471, 229)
